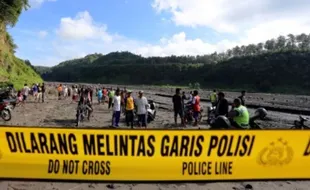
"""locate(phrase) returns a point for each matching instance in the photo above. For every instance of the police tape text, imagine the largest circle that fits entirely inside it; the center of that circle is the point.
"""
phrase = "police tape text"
(207, 168)
(85, 167)
(231, 145)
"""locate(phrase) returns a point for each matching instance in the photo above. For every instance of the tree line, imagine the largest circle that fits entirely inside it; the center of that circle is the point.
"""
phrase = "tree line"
(277, 65)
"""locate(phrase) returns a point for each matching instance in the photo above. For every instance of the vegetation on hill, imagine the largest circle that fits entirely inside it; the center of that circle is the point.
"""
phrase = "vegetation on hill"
(278, 65)
(12, 69)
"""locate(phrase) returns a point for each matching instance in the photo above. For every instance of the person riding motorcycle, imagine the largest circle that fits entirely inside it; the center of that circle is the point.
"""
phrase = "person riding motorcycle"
(239, 116)
(222, 105)
(85, 103)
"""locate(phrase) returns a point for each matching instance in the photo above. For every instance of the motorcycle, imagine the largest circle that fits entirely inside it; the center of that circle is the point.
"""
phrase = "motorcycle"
(300, 124)
(189, 114)
(211, 114)
(82, 112)
(5, 111)
(151, 109)
(222, 122)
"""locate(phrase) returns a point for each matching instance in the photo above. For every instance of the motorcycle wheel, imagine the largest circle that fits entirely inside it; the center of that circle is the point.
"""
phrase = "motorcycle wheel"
(199, 117)
(297, 125)
(6, 115)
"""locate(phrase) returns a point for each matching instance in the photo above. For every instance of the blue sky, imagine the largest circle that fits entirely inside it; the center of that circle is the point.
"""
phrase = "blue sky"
(56, 30)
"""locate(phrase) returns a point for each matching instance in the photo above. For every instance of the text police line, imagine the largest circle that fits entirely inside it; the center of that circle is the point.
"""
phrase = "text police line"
(207, 168)
(130, 145)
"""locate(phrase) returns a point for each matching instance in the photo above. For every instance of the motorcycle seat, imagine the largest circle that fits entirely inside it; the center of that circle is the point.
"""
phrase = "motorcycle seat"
(303, 118)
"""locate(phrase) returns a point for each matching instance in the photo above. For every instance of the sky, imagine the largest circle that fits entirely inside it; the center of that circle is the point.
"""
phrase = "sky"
(52, 31)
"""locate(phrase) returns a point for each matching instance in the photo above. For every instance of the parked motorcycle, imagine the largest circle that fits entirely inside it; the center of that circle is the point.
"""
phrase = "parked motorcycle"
(151, 109)
(222, 122)
(5, 111)
(300, 124)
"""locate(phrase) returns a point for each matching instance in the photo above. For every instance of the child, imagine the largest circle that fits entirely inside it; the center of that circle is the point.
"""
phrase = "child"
(20, 98)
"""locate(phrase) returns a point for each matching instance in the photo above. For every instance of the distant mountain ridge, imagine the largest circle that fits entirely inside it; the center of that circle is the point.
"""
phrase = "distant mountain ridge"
(277, 65)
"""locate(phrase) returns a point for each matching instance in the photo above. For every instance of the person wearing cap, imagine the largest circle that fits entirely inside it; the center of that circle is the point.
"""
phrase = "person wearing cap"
(222, 105)
(141, 103)
(239, 116)
(129, 109)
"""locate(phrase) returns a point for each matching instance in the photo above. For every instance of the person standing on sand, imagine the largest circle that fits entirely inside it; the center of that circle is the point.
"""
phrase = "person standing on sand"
(141, 103)
(111, 96)
(39, 95)
(178, 107)
(35, 91)
(242, 97)
(196, 106)
(25, 92)
(99, 96)
(129, 109)
(213, 98)
(43, 92)
(190, 99)
(116, 109)
(59, 89)
(104, 93)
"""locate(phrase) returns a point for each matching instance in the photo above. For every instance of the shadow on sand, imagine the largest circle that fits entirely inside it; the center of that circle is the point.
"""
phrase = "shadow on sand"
(60, 122)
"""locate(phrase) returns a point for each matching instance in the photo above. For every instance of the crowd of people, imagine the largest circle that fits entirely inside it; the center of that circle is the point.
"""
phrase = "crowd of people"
(120, 101)
(238, 115)
(36, 90)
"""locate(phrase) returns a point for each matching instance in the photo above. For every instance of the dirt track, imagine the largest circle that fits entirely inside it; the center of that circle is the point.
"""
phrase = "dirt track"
(62, 113)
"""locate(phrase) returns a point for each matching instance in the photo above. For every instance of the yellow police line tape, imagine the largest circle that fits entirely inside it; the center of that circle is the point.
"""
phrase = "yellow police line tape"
(153, 155)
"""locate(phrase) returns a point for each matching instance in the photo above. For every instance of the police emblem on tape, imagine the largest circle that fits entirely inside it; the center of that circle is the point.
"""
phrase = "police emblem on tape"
(277, 153)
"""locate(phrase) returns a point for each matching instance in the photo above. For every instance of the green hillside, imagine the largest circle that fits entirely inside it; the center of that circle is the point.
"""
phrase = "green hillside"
(277, 65)
(12, 69)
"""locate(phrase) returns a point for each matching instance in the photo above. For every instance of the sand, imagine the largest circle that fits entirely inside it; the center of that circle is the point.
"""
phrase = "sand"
(61, 113)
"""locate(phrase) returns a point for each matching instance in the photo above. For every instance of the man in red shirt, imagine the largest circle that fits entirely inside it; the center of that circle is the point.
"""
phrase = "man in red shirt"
(196, 106)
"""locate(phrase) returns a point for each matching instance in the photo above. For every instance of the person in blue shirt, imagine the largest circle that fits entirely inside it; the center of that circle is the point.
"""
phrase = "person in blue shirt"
(99, 96)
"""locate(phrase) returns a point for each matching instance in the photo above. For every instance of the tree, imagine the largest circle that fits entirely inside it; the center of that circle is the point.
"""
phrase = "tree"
(11, 9)
(270, 45)
(281, 42)
(291, 41)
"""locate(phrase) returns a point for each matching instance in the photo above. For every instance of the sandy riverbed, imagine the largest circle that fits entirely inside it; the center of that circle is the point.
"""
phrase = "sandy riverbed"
(62, 114)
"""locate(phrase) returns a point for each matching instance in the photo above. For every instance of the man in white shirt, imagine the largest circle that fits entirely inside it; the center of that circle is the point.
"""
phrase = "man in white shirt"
(141, 103)
(25, 92)
(116, 109)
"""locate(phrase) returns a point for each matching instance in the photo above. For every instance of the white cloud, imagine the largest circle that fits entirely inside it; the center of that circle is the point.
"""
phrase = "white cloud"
(42, 33)
(249, 20)
(246, 21)
(82, 27)
(178, 44)
(38, 3)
